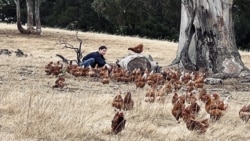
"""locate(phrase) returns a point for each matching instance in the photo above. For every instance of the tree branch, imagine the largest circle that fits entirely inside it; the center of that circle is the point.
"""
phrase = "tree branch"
(70, 46)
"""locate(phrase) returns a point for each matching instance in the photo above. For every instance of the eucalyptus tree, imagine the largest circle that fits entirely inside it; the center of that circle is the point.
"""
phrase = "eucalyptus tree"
(207, 39)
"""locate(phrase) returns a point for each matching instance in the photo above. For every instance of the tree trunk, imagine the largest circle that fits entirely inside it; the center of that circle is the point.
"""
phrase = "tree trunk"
(18, 17)
(30, 28)
(37, 15)
(29, 15)
(207, 39)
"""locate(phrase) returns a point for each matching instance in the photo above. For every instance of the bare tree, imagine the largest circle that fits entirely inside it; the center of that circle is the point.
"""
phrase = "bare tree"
(78, 50)
(30, 29)
(207, 39)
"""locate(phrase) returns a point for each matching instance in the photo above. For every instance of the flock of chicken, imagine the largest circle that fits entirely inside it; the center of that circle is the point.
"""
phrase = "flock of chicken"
(161, 84)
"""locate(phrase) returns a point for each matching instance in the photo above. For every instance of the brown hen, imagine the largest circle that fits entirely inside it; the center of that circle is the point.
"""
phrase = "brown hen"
(214, 108)
(140, 82)
(187, 115)
(54, 68)
(118, 101)
(118, 122)
(137, 49)
(244, 113)
(105, 78)
(176, 97)
(150, 94)
(177, 109)
(160, 94)
(128, 102)
(199, 126)
(194, 108)
(216, 114)
(48, 68)
(60, 82)
(192, 124)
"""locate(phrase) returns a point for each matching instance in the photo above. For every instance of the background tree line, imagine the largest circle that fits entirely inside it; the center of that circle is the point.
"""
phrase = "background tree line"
(145, 18)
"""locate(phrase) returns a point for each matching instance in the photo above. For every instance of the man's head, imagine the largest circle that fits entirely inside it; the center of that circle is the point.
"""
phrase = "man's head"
(102, 50)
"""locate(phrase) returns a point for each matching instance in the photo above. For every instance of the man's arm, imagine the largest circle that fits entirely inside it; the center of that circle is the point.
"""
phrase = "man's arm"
(108, 66)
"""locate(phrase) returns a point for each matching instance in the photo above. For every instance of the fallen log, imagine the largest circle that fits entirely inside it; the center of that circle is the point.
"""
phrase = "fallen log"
(134, 61)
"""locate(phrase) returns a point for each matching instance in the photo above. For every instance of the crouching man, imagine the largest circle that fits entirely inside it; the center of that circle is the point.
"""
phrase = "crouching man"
(96, 58)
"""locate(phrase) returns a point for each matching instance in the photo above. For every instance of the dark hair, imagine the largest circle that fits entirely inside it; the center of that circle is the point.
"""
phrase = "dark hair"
(102, 47)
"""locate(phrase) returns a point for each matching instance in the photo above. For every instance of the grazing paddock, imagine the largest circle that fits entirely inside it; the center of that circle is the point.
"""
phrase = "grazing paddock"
(31, 110)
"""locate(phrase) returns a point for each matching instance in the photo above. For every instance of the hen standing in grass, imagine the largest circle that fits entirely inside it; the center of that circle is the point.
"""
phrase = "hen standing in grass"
(118, 122)
(178, 106)
(244, 113)
(214, 107)
(118, 101)
(60, 82)
(192, 124)
(128, 102)
(137, 49)
(53, 68)
(198, 126)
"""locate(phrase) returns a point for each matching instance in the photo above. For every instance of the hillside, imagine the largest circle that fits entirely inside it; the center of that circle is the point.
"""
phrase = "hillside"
(31, 110)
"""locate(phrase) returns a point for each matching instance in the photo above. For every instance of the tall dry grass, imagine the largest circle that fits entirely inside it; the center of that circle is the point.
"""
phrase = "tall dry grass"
(31, 110)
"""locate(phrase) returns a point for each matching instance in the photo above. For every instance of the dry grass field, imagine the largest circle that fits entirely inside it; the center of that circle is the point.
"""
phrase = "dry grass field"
(31, 110)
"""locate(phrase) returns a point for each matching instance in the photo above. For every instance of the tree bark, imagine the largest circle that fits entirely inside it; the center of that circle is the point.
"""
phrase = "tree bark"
(37, 17)
(19, 23)
(29, 15)
(30, 27)
(207, 38)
